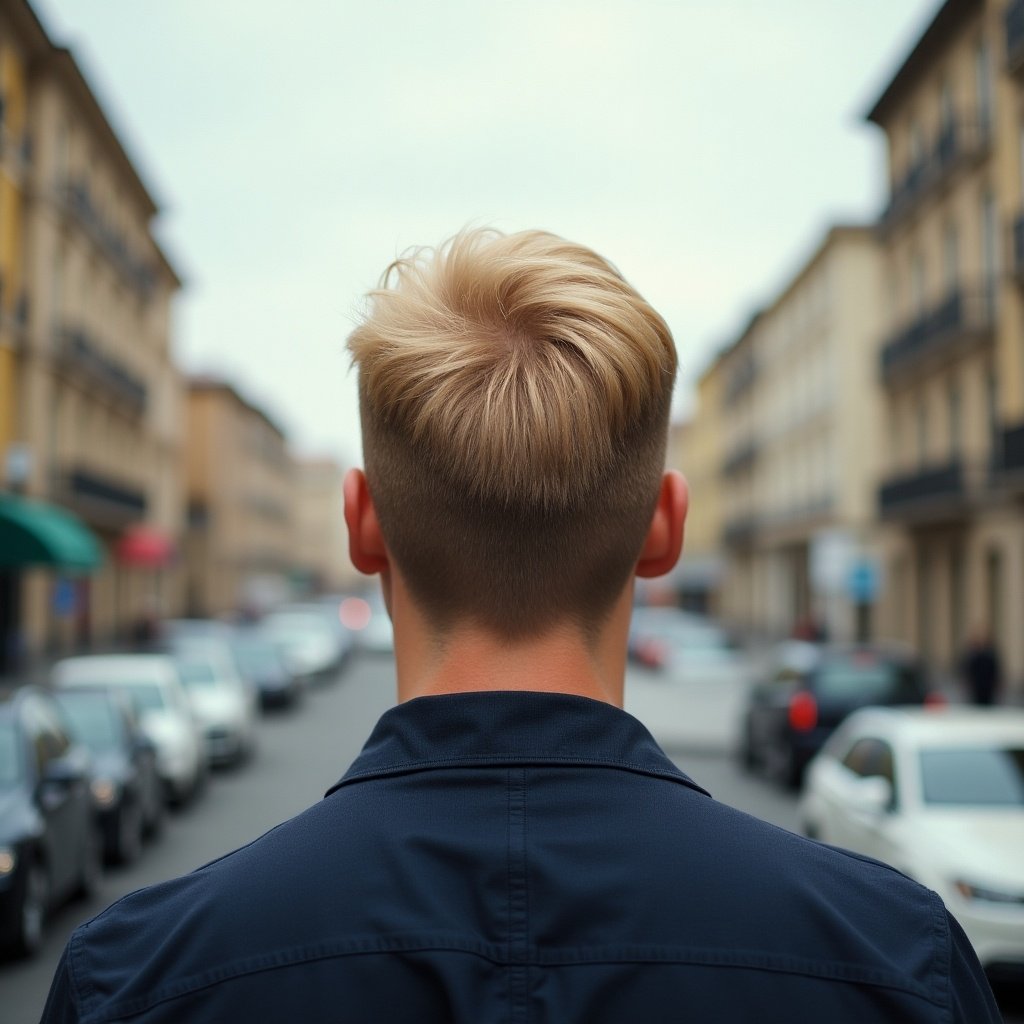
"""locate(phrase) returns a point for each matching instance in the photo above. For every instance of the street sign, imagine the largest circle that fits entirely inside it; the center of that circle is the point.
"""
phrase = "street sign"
(862, 583)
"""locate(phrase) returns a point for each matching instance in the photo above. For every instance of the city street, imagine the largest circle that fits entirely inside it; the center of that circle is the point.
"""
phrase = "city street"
(303, 751)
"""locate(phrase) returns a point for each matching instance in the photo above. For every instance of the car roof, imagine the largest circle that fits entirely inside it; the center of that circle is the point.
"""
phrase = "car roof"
(97, 669)
(953, 724)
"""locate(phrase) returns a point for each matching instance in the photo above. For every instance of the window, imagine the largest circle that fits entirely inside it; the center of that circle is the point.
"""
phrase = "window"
(922, 431)
(946, 110)
(983, 84)
(917, 283)
(989, 246)
(916, 137)
(870, 757)
(955, 420)
(950, 257)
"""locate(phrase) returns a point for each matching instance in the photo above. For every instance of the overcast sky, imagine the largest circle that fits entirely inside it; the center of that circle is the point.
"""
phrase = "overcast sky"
(702, 145)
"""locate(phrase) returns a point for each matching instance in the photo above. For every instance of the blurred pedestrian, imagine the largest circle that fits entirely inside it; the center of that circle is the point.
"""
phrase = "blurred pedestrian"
(511, 845)
(981, 668)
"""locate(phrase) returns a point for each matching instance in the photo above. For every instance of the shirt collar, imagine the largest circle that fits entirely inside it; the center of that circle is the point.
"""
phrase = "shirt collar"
(494, 727)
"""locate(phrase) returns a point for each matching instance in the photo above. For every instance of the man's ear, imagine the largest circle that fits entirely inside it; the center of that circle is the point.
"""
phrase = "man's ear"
(664, 541)
(366, 546)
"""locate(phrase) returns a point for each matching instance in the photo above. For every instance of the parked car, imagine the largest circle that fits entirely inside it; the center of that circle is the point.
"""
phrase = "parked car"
(368, 619)
(312, 647)
(222, 702)
(810, 690)
(263, 663)
(153, 685)
(49, 841)
(662, 637)
(126, 781)
(939, 794)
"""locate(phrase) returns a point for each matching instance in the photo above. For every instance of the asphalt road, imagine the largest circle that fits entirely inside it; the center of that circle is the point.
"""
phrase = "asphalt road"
(302, 752)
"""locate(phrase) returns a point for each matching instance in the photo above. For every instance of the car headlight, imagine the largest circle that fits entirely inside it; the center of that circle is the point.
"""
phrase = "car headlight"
(982, 894)
(104, 791)
(8, 861)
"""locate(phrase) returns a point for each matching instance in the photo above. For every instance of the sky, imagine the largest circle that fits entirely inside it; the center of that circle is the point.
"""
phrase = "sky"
(703, 146)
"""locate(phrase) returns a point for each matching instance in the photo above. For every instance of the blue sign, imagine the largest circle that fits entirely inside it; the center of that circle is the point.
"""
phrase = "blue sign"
(64, 599)
(862, 583)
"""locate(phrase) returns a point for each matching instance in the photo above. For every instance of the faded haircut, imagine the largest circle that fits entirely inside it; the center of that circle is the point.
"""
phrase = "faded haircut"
(514, 394)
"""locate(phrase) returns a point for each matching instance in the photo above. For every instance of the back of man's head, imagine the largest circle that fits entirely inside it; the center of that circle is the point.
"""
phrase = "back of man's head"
(514, 393)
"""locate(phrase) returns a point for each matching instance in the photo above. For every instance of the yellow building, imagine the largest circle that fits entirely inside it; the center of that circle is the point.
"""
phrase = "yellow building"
(240, 485)
(320, 541)
(799, 412)
(93, 416)
(952, 357)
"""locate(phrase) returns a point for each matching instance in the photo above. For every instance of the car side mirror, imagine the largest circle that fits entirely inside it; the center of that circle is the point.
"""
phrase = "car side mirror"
(872, 794)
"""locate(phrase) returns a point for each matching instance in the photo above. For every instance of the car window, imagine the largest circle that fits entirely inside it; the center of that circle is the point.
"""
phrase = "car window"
(144, 696)
(865, 678)
(46, 735)
(93, 719)
(981, 776)
(10, 762)
(197, 673)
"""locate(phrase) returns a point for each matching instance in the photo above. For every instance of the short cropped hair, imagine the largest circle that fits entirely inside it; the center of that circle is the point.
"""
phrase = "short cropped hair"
(514, 396)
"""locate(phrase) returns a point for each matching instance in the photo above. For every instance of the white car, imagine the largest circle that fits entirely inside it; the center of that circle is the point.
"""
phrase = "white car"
(154, 687)
(223, 704)
(939, 794)
(311, 646)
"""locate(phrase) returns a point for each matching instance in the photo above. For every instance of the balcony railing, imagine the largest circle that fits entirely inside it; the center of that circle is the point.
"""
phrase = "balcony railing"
(98, 498)
(960, 142)
(740, 380)
(740, 532)
(742, 458)
(1013, 22)
(1008, 453)
(79, 354)
(965, 316)
(926, 489)
(135, 271)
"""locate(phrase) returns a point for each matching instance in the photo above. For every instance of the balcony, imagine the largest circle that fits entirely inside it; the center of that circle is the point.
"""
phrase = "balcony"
(935, 493)
(1008, 455)
(80, 357)
(99, 499)
(961, 143)
(1013, 22)
(741, 380)
(965, 318)
(136, 272)
(740, 532)
(742, 458)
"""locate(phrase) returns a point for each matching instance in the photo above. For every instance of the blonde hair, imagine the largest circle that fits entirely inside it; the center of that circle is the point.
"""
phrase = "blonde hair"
(514, 392)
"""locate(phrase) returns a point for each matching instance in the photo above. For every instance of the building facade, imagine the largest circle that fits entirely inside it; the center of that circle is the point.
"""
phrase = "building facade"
(240, 479)
(951, 361)
(320, 545)
(92, 412)
(800, 426)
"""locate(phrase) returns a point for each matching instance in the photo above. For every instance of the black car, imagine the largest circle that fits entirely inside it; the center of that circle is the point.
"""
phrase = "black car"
(49, 842)
(126, 784)
(810, 690)
(262, 664)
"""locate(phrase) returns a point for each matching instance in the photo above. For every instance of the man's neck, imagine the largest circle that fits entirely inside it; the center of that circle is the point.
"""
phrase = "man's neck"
(561, 660)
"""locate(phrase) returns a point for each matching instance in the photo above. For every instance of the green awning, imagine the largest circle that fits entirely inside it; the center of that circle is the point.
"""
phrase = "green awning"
(37, 533)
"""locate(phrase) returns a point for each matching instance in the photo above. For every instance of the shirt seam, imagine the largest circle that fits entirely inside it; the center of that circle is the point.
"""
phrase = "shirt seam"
(497, 954)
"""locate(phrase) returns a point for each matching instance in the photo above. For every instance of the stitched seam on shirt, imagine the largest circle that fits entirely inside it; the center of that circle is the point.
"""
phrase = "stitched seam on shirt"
(496, 954)
(518, 935)
(943, 940)
(87, 991)
(500, 760)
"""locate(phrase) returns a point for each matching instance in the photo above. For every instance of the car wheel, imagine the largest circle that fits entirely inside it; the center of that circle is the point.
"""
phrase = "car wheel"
(129, 833)
(92, 864)
(34, 904)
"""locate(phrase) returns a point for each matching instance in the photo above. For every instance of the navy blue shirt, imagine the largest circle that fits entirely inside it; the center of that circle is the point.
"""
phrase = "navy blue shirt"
(523, 857)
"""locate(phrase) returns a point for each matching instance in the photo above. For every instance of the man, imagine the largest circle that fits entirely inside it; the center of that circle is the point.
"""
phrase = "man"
(981, 669)
(510, 845)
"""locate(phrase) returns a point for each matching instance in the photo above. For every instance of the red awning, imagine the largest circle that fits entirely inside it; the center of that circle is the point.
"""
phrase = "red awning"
(145, 545)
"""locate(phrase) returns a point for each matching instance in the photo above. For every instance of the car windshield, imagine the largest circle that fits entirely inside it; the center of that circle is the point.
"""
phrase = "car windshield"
(92, 719)
(197, 673)
(10, 771)
(144, 696)
(866, 678)
(973, 776)
(255, 653)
